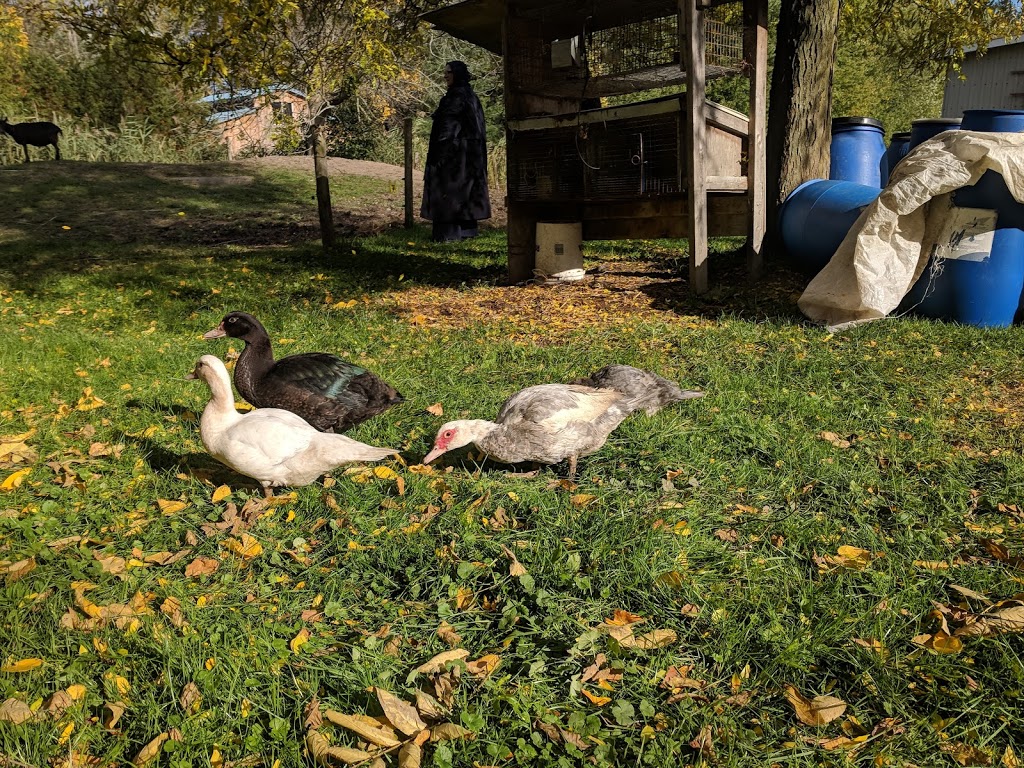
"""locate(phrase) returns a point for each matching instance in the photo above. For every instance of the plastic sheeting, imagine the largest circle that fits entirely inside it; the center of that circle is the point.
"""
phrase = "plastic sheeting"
(888, 247)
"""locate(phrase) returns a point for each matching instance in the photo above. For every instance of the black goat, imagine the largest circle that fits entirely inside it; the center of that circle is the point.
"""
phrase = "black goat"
(36, 134)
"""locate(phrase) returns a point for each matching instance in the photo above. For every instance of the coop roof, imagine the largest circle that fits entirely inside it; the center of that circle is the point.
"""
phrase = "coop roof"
(480, 21)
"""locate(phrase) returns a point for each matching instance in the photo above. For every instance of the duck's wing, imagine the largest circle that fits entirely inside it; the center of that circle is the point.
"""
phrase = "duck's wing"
(267, 437)
(324, 374)
(555, 406)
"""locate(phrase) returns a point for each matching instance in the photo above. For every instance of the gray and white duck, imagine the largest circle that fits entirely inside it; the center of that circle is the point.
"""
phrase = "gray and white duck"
(546, 423)
(330, 393)
(274, 446)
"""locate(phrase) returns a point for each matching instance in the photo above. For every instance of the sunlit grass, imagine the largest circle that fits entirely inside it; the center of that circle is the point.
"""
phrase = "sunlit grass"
(721, 520)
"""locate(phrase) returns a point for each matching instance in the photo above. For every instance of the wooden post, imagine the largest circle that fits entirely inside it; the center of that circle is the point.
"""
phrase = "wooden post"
(323, 183)
(407, 134)
(692, 45)
(755, 54)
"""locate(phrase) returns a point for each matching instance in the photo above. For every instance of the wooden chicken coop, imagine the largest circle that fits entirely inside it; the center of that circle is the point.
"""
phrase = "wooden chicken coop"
(583, 148)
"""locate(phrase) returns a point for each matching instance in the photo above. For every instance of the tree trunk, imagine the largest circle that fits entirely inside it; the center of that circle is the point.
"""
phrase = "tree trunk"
(323, 184)
(799, 113)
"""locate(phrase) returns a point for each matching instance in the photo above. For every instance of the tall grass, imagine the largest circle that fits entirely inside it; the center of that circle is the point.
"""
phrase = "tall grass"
(134, 140)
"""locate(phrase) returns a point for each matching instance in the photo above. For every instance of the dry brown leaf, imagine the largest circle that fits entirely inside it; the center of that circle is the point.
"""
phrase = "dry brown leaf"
(19, 570)
(429, 707)
(658, 638)
(1005, 616)
(836, 440)
(464, 598)
(817, 711)
(447, 633)
(573, 738)
(440, 661)
(704, 743)
(324, 754)
(311, 717)
(112, 711)
(483, 666)
(370, 733)
(15, 711)
(58, 703)
(202, 566)
(435, 409)
(1010, 759)
(150, 751)
(400, 714)
(965, 754)
(410, 756)
(450, 731)
(191, 698)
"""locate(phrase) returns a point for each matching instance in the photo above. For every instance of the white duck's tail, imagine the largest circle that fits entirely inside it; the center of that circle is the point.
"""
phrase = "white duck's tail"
(348, 450)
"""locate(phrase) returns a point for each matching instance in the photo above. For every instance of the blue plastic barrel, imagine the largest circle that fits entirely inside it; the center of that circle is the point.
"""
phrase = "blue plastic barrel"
(983, 290)
(899, 145)
(989, 292)
(925, 128)
(857, 151)
(816, 217)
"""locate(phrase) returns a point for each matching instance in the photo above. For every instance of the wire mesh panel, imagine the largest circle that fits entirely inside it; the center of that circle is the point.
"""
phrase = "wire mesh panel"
(625, 159)
(634, 54)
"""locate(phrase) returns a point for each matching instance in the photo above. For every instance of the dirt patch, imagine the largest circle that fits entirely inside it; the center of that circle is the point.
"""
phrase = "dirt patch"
(613, 292)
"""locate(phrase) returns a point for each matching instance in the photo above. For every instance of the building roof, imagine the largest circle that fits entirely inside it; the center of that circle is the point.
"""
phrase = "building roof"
(997, 43)
(249, 93)
(231, 114)
(480, 21)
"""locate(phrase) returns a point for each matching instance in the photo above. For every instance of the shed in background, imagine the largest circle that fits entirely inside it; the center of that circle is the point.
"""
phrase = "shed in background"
(246, 118)
(992, 81)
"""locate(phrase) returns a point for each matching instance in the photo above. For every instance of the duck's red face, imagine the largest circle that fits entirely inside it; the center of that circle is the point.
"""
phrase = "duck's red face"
(442, 443)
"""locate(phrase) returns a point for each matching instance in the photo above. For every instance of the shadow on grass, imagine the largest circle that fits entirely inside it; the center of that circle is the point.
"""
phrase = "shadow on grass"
(152, 227)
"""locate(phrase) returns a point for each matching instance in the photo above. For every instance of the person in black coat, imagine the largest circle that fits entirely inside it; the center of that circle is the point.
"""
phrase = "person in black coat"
(455, 193)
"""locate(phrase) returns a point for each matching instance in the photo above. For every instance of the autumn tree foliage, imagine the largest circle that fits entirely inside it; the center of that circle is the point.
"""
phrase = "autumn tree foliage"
(326, 49)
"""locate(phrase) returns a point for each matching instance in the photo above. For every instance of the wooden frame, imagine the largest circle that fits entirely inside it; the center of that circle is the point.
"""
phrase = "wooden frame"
(719, 154)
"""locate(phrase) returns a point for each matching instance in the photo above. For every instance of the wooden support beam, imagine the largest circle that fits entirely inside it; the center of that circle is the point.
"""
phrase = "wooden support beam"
(755, 55)
(407, 136)
(692, 45)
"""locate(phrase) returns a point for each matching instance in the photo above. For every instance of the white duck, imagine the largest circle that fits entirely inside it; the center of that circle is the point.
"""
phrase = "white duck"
(646, 391)
(271, 445)
(545, 423)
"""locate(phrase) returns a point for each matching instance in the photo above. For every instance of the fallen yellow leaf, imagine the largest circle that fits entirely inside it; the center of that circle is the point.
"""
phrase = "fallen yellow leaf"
(25, 665)
(15, 479)
(170, 507)
(598, 700)
(299, 640)
(221, 493)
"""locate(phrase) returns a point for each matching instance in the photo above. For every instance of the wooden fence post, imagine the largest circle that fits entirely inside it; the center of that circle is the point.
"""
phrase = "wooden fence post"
(407, 132)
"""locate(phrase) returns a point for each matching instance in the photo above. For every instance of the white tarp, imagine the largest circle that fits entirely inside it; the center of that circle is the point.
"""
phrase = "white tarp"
(888, 247)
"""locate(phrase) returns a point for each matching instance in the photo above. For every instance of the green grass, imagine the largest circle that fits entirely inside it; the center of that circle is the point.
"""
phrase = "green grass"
(713, 519)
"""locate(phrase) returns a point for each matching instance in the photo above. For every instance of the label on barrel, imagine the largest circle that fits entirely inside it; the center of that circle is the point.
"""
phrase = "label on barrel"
(967, 234)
